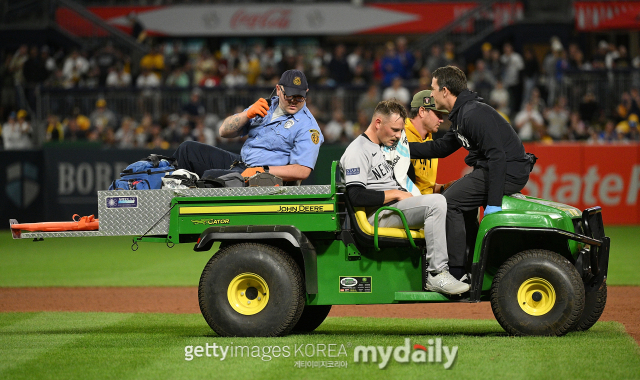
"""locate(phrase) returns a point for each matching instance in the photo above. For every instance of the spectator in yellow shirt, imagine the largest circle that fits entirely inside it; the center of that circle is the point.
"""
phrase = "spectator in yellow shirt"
(424, 120)
(153, 61)
(55, 129)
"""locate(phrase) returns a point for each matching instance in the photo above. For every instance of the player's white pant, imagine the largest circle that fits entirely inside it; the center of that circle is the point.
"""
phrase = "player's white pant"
(428, 211)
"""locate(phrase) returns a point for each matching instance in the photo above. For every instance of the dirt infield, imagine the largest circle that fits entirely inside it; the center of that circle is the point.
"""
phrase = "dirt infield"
(623, 304)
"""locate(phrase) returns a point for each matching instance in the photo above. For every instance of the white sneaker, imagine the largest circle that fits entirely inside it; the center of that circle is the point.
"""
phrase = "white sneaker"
(445, 283)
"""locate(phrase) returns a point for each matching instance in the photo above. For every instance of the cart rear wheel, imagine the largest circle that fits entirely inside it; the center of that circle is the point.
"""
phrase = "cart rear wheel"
(537, 292)
(251, 289)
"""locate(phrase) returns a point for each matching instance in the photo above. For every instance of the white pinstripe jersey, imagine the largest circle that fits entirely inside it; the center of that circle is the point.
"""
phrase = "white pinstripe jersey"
(364, 164)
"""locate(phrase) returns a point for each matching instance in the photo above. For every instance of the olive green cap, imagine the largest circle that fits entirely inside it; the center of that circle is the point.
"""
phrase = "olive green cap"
(424, 99)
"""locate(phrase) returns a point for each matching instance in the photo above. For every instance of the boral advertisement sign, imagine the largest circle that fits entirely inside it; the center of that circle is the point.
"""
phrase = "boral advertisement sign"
(579, 175)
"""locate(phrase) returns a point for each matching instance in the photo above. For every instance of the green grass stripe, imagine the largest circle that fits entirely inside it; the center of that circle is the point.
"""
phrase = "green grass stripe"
(624, 261)
(151, 346)
(32, 339)
(109, 261)
(9, 319)
(97, 261)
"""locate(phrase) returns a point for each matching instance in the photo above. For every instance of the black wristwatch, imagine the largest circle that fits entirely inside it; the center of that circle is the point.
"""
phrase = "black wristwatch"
(266, 168)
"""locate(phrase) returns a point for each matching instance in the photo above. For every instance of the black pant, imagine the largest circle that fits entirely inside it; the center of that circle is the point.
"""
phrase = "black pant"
(206, 160)
(463, 199)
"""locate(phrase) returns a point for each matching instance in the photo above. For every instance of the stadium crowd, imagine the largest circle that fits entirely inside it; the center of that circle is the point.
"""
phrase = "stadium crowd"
(522, 87)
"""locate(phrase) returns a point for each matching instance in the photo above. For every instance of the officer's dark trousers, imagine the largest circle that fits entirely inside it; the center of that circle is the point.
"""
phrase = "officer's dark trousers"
(463, 199)
(204, 159)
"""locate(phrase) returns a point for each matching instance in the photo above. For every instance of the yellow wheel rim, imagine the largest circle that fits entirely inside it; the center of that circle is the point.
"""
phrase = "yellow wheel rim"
(248, 293)
(536, 296)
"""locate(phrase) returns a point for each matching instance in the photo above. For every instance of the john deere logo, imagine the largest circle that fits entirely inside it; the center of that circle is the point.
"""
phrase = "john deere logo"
(22, 184)
(315, 136)
(297, 81)
(426, 101)
(349, 281)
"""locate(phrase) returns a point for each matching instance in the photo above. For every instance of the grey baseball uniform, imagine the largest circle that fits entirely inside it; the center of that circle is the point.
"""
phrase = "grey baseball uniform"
(363, 164)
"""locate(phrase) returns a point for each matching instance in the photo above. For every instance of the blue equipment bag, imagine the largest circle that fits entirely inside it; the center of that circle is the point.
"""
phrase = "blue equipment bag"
(130, 184)
(145, 174)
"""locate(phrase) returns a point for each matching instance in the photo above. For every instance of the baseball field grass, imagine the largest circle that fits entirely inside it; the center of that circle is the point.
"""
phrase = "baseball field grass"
(69, 345)
(152, 346)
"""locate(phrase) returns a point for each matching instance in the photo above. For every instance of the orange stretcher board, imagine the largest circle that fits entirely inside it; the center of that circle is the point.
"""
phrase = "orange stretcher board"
(85, 223)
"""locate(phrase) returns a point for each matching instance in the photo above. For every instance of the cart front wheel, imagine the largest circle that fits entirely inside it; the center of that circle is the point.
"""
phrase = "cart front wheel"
(537, 292)
(594, 303)
(251, 289)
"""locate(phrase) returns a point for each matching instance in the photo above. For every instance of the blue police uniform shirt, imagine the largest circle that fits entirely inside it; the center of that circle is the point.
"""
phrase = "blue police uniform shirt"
(285, 140)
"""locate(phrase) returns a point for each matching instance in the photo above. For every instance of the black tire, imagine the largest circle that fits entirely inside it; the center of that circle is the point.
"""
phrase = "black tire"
(311, 318)
(594, 303)
(281, 308)
(535, 270)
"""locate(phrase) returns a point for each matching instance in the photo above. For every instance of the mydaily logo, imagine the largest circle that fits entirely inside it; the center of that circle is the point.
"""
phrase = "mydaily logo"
(432, 353)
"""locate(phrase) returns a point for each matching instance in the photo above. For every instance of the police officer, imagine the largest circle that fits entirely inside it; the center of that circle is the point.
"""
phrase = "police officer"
(496, 154)
(283, 139)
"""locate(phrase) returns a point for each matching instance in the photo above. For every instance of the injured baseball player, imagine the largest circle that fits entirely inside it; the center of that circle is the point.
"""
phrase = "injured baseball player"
(371, 183)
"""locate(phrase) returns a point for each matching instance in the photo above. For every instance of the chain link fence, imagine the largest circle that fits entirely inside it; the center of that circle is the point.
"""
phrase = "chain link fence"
(164, 101)
(607, 86)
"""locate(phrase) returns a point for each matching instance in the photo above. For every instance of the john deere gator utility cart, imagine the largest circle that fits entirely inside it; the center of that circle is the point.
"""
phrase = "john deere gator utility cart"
(287, 254)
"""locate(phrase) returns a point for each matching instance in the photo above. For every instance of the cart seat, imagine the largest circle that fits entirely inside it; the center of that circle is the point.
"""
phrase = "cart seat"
(367, 228)
(387, 236)
(363, 231)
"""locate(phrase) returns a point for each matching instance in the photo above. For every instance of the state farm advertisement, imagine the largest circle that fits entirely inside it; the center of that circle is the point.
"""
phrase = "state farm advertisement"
(579, 175)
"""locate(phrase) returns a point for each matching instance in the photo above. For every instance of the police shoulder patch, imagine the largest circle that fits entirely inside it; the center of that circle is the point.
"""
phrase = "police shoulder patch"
(315, 136)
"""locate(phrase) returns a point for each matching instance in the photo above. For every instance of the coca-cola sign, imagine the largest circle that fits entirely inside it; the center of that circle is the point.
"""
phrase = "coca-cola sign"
(264, 19)
(269, 20)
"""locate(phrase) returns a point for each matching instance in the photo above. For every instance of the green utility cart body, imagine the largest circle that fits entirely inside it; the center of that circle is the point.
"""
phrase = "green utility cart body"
(287, 254)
